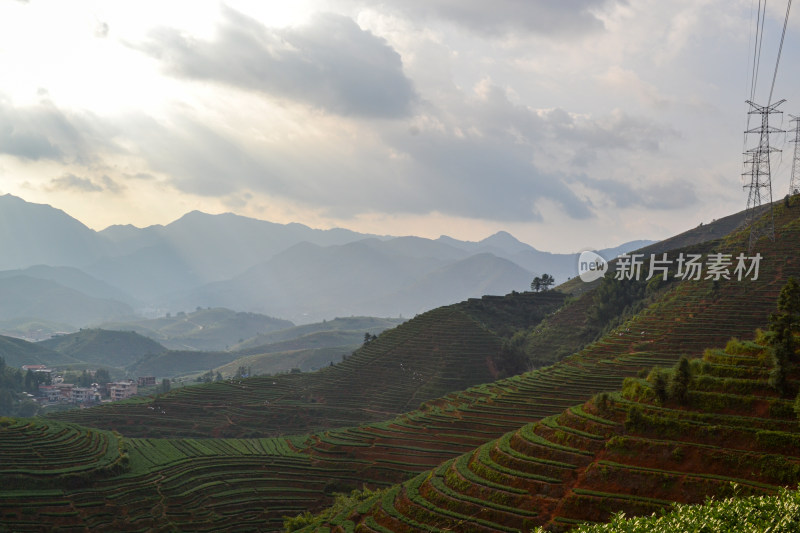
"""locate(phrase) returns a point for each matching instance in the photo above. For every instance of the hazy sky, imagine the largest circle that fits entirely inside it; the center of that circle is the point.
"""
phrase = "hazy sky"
(570, 123)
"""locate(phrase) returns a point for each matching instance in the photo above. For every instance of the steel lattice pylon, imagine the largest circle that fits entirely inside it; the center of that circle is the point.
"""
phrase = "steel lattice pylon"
(794, 183)
(757, 167)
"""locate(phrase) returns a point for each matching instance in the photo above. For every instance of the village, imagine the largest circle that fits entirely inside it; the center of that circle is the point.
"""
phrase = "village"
(53, 389)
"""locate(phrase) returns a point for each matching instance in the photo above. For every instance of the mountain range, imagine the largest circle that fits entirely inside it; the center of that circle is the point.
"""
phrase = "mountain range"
(56, 273)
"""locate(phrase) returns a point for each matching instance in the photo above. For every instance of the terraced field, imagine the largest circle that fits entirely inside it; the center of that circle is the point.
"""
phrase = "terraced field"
(626, 451)
(55, 453)
(546, 461)
(685, 320)
(173, 485)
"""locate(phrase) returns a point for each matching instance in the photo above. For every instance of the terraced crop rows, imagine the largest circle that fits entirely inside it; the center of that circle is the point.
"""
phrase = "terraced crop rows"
(547, 455)
(431, 355)
(596, 459)
(35, 447)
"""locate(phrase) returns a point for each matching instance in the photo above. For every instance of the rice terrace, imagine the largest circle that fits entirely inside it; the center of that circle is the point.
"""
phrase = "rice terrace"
(183, 355)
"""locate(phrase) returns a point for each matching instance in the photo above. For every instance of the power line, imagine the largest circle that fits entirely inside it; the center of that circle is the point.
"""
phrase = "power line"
(780, 49)
(761, 17)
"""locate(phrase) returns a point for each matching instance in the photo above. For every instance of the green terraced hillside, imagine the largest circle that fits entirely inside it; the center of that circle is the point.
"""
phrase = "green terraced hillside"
(628, 451)
(46, 453)
(360, 437)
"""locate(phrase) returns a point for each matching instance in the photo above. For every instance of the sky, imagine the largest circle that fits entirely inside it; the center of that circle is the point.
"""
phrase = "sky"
(574, 124)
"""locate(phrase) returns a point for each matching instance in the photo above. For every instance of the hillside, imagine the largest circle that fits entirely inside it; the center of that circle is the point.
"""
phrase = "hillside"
(312, 346)
(106, 348)
(203, 329)
(631, 451)
(435, 353)
(75, 279)
(36, 298)
(625, 451)
(18, 352)
(36, 234)
(364, 324)
(308, 351)
(187, 482)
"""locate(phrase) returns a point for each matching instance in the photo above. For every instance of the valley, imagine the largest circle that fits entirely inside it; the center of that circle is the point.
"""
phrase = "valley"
(447, 421)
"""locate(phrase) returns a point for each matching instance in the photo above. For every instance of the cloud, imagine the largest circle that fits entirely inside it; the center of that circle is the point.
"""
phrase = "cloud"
(480, 156)
(71, 182)
(545, 17)
(329, 63)
(661, 195)
(627, 81)
(101, 29)
(23, 133)
(144, 176)
(617, 130)
(110, 185)
(45, 132)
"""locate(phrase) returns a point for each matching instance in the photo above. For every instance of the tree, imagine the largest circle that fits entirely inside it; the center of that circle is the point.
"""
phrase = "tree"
(165, 386)
(658, 378)
(6, 402)
(102, 376)
(536, 284)
(542, 283)
(782, 326)
(681, 377)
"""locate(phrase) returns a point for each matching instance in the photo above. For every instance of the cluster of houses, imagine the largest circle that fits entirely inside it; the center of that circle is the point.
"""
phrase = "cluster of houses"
(59, 392)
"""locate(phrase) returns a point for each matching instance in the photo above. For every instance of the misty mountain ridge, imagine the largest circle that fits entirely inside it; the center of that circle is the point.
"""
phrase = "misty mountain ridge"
(289, 271)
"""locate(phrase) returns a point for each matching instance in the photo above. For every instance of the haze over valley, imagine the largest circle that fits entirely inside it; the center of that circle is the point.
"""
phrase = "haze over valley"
(59, 275)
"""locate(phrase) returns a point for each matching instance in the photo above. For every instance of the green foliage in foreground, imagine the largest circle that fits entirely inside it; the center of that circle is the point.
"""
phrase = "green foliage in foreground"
(343, 503)
(773, 514)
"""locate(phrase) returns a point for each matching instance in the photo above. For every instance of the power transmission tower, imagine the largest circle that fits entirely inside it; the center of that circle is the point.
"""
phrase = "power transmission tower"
(758, 168)
(794, 183)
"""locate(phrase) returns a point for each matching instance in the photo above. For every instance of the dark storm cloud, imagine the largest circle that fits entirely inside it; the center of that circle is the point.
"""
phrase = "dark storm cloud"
(562, 17)
(330, 63)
